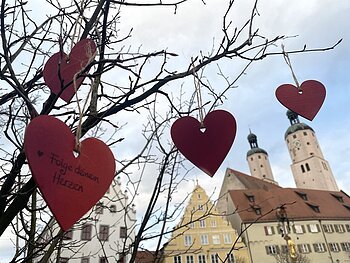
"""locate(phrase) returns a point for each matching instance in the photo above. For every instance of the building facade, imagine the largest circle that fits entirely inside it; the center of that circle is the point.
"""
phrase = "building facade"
(204, 236)
(309, 223)
(104, 234)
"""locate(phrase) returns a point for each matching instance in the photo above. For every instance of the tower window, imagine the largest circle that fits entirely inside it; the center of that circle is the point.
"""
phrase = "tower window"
(261, 165)
(302, 168)
(294, 136)
(251, 158)
(307, 167)
(305, 133)
(308, 143)
(259, 156)
(287, 141)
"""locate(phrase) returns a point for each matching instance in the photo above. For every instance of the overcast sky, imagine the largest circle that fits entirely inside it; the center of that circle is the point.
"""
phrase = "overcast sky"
(315, 23)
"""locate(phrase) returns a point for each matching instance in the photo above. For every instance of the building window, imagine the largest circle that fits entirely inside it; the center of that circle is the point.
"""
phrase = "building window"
(339, 228)
(113, 209)
(304, 248)
(104, 232)
(213, 223)
(204, 239)
(345, 246)
(216, 239)
(201, 259)
(199, 196)
(99, 208)
(334, 247)
(338, 197)
(302, 195)
(347, 226)
(191, 225)
(230, 258)
(103, 260)
(324, 166)
(313, 228)
(272, 249)
(189, 259)
(257, 210)
(307, 167)
(214, 258)
(86, 232)
(302, 168)
(63, 260)
(328, 228)
(68, 235)
(200, 207)
(202, 223)
(250, 197)
(227, 238)
(188, 240)
(177, 259)
(316, 208)
(85, 260)
(305, 133)
(269, 230)
(299, 229)
(122, 232)
(319, 247)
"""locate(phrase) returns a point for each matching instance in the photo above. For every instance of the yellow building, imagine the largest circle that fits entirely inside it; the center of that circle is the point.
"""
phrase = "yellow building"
(204, 236)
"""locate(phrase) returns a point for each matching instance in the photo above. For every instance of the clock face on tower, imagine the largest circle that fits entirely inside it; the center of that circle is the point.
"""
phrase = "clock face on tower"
(297, 144)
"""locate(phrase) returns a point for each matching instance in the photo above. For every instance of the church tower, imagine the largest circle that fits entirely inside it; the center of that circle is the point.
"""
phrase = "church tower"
(258, 160)
(309, 167)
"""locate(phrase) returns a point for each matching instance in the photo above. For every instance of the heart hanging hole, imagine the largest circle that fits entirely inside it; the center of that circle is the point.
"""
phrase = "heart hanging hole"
(76, 153)
(300, 91)
(202, 129)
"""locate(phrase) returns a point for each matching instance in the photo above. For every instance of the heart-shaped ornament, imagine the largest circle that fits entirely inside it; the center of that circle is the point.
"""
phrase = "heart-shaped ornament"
(306, 102)
(70, 185)
(60, 69)
(205, 147)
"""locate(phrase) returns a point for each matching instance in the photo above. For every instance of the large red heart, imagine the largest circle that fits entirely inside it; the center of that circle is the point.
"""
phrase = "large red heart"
(207, 148)
(70, 185)
(60, 69)
(306, 102)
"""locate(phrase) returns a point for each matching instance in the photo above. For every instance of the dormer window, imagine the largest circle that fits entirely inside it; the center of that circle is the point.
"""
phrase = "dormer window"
(250, 198)
(302, 195)
(314, 207)
(338, 197)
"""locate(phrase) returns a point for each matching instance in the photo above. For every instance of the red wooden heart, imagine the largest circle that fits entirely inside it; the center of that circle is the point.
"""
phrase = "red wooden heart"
(70, 185)
(60, 69)
(206, 149)
(306, 103)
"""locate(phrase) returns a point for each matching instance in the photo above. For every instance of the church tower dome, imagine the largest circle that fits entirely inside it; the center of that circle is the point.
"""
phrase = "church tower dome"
(258, 160)
(309, 167)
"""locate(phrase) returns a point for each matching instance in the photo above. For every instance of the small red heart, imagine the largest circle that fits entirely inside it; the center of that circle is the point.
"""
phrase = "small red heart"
(70, 185)
(305, 103)
(206, 149)
(60, 69)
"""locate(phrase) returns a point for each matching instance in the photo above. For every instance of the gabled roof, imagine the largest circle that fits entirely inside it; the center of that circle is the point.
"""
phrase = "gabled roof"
(250, 182)
(300, 204)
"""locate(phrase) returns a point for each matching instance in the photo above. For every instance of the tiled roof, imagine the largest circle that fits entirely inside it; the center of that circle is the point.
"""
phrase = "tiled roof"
(145, 257)
(300, 204)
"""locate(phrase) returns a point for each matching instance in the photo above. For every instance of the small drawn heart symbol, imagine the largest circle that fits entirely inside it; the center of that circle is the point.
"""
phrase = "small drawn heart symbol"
(60, 69)
(305, 102)
(205, 147)
(70, 185)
